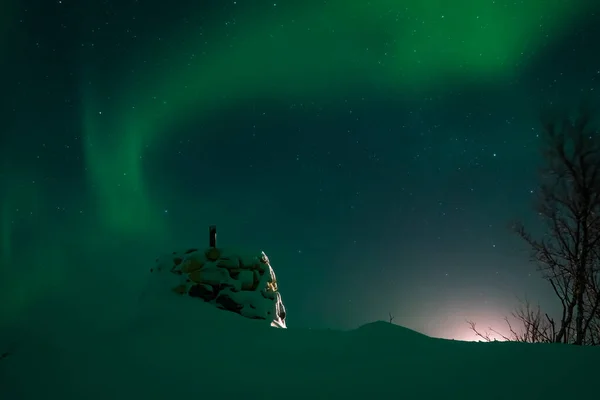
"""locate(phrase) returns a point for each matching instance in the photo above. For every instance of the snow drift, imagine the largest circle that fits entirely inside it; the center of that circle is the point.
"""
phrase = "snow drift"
(176, 346)
(243, 283)
(176, 349)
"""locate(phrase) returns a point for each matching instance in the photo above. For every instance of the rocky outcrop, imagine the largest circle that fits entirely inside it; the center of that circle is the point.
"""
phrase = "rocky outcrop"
(244, 284)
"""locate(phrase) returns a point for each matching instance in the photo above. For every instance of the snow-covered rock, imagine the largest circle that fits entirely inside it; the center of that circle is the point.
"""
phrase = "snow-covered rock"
(244, 284)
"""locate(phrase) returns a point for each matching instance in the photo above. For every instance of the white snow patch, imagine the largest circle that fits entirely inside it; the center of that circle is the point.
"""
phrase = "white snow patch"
(182, 350)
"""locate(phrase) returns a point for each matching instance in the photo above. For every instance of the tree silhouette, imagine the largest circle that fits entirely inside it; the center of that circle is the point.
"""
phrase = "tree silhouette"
(568, 252)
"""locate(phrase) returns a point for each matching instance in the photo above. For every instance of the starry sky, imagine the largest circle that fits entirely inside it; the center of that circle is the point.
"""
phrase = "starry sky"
(377, 150)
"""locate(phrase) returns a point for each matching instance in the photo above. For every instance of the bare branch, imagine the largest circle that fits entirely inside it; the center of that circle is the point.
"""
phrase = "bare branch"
(483, 335)
(568, 253)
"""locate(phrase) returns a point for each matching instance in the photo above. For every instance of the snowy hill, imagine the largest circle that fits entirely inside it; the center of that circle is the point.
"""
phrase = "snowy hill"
(184, 350)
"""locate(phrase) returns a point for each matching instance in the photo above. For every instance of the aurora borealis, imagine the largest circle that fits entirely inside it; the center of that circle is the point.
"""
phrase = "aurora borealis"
(375, 150)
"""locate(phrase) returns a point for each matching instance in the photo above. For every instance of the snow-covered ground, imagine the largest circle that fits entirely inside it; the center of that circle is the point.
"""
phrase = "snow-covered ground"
(177, 349)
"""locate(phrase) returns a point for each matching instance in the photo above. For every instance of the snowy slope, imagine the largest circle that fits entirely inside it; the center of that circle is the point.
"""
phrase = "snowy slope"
(184, 350)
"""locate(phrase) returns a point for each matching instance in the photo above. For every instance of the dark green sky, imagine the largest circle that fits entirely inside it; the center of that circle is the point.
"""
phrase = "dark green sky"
(375, 150)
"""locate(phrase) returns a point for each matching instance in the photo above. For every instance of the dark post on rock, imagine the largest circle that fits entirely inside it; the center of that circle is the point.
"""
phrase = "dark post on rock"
(212, 236)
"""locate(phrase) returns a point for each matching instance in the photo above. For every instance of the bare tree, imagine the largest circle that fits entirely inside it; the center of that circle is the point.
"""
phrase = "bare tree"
(535, 326)
(568, 252)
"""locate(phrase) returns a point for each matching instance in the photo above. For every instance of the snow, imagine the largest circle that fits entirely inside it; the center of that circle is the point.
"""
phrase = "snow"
(179, 349)
(163, 345)
(228, 280)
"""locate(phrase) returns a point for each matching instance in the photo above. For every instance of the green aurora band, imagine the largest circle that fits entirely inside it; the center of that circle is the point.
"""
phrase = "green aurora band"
(303, 52)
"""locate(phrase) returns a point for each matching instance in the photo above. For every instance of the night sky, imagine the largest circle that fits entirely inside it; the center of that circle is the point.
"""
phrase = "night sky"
(377, 151)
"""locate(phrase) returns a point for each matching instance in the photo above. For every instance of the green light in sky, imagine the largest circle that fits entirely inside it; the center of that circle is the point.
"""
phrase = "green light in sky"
(308, 50)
